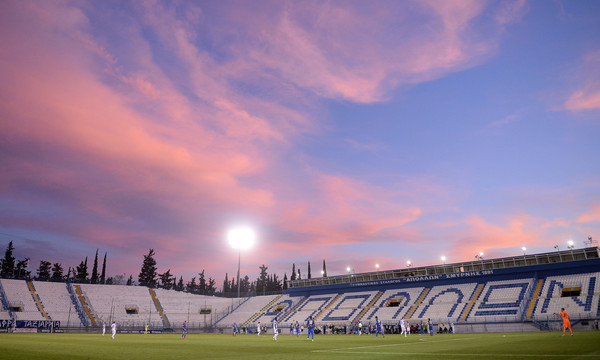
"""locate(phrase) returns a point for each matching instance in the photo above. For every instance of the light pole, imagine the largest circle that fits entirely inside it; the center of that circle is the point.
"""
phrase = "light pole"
(408, 264)
(443, 260)
(241, 238)
(570, 246)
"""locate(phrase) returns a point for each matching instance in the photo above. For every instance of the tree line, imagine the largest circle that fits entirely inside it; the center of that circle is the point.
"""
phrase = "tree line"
(149, 276)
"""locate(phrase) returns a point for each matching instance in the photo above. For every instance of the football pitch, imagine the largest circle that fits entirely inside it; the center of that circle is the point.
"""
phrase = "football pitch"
(584, 345)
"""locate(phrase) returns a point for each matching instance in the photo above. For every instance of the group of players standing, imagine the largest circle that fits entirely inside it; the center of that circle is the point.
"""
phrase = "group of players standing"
(310, 325)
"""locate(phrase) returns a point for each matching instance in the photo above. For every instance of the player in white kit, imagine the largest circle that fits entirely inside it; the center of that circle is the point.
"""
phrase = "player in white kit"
(403, 327)
(258, 329)
(275, 333)
(113, 329)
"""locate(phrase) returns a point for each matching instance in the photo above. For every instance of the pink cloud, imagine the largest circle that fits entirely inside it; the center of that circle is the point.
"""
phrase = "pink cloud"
(130, 153)
(592, 217)
(584, 99)
(587, 94)
(337, 57)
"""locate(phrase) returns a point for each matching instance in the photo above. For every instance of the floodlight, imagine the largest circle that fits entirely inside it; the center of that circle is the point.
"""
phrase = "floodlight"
(241, 238)
(443, 259)
(570, 244)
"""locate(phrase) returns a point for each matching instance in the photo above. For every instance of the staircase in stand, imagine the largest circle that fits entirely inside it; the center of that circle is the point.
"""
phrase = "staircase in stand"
(85, 304)
(327, 307)
(534, 299)
(258, 314)
(292, 310)
(159, 308)
(472, 301)
(362, 313)
(417, 303)
(37, 301)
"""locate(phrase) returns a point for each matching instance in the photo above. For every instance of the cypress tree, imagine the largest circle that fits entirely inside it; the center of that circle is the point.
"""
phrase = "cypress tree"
(103, 276)
(225, 285)
(293, 276)
(94, 278)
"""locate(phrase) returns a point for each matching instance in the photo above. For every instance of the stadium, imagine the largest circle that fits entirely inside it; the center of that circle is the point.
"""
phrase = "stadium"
(467, 303)
(513, 294)
(229, 142)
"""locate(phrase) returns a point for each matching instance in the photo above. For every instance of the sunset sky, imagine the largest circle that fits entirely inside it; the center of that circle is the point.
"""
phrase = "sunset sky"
(355, 132)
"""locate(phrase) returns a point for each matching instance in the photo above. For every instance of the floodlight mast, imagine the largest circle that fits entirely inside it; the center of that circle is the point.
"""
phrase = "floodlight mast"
(240, 238)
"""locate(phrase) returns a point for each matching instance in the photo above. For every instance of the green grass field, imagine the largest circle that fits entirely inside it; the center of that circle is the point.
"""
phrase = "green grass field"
(584, 345)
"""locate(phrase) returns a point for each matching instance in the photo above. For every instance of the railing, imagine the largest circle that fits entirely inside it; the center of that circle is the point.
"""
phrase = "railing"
(465, 267)
(230, 310)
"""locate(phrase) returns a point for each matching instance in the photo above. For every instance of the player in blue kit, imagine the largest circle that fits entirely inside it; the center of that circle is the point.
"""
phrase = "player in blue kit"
(430, 326)
(184, 330)
(310, 325)
(378, 327)
(235, 330)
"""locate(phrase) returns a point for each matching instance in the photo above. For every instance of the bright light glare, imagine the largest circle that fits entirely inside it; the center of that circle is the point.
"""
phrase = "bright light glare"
(481, 253)
(443, 258)
(523, 248)
(241, 238)
(570, 243)
(348, 269)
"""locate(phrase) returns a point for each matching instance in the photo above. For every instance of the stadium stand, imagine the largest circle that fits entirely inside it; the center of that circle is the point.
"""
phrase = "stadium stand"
(199, 311)
(19, 298)
(508, 294)
(130, 306)
(252, 311)
(57, 302)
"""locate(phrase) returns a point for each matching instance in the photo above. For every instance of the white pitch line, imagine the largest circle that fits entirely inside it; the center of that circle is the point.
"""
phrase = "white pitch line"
(466, 354)
(388, 345)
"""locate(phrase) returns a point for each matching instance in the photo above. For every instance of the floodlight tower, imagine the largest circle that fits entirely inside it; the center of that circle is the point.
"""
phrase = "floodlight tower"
(241, 238)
